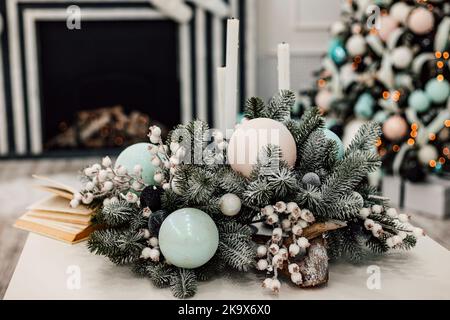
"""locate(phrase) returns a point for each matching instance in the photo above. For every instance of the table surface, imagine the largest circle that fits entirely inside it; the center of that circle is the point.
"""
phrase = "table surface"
(49, 269)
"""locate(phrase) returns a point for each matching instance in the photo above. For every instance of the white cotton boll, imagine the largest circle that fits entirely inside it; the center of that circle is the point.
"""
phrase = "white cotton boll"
(377, 230)
(153, 241)
(284, 253)
(267, 210)
(102, 175)
(418, 232)
(262, 265)
(146, 212)
(114, 200)
(280, 206)
(397, 240)
(166, 186)
(158, 177)
(267, 283)
(174, 160)
(108, 186)
(145, 254)
(106, 202)
(368, 224)
(392, 212)
(154, 255)
(278, 232)
(307, 215)
(275, 285)
(218, 136)
(74, 203)
(131, 197)
(294, 250)
(156, 161)
(277, 260)
(156, 131)
(303, 242)
(106, 162)
(390, 242)
(121, 170)
(174, 146)
(274, 248)
(88, 172)
(302, 223)
(153, 149)
(272, 219)
(89, 186)
(403, 217)
(296, 278)
(137, 170)
(297, 230)
(97, 167)
(286, 224)
(376, 208)
(155, 139)
(293, 268)
(145, 233)
(364, 213)
(136, 185)
(402, 234)
(181, 153)
(88, 198)
(261, 251)
(77, 196)
(222, 145)
(291, 206)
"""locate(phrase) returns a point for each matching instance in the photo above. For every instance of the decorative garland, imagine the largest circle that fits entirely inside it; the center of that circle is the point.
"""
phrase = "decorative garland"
(183, 211)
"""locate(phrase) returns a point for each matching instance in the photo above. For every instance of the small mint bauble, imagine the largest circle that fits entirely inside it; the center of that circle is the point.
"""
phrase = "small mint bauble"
(364, 106)
(332, 136)
(336, 52)
(188, 238)
(438, 91)
(311, 178)
(230, 204)
(419, 101)
(138, 154)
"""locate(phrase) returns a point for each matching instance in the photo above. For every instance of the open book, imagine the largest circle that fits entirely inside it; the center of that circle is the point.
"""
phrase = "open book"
(54, 187)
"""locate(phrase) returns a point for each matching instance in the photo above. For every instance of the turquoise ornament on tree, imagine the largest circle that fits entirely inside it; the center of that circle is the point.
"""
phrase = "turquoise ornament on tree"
(419, 101)
(364, 106)
(138, 154)
(336, 52)
(188, 238)
(333, 136)
(437, 90)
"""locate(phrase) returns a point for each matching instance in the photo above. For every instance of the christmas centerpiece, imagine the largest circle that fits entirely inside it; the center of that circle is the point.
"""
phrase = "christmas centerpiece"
(277, 196)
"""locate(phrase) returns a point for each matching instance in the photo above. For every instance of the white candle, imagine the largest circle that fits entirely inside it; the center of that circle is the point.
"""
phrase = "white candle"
(221, 111)
(231, 79)
(284, 81)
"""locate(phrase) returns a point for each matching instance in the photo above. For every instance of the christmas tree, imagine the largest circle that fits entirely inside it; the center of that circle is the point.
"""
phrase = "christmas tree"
(388, 61)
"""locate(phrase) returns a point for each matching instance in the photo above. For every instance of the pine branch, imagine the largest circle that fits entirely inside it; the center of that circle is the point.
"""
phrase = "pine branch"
(280, 106)
(310, 122)
(117, 213)
(365, 138)
(183, 283)
(255, 108)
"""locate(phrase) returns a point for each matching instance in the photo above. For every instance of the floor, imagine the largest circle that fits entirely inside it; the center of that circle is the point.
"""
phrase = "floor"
(16, 192)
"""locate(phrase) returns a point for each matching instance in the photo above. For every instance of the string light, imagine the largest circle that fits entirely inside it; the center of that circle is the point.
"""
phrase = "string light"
(410, 142)
(321, 83)
(432, 163)
(440, 77)
(446, 55)
(414, 126)
(441, 160)
(396, 96)
(413, 134)
(440, 64)
(396, 148)
(432, 136)
(446, 151)
(386, 95)
(378, 143)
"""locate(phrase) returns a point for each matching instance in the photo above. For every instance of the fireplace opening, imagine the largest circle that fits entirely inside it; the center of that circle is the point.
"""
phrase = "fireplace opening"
(111, 79)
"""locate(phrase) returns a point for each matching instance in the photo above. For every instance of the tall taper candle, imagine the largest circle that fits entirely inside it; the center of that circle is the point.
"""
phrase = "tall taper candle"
(284, 81)
(231, 79)
(221, 111)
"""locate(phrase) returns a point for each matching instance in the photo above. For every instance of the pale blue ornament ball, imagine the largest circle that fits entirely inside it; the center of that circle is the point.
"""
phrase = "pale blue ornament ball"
(332, 136)
(437, 91)
(364, 106)
(188, 238)
(336, 52)
(138, 154)
(419, 101)
(380, 116)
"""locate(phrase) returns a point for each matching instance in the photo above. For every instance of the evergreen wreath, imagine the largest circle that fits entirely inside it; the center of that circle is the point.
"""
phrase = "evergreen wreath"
(321, 208)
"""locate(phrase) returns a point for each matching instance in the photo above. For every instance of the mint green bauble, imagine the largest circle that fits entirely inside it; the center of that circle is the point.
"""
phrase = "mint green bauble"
(437, 91)
(419, 101)
(332, 136)
(138, 154)
(364, 106)
(188, 238)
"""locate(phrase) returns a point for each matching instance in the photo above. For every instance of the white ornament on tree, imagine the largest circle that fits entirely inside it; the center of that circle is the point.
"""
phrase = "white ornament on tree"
(230, 204)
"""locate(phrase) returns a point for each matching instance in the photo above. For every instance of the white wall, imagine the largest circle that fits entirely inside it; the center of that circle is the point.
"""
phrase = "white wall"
(302, 23)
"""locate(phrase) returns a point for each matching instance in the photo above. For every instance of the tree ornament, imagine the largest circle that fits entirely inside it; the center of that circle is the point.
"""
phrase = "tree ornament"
(427, 153)
(336, 52)
(402, 57)
(387, 25)
(364, 106)
(323, 100)
(400, 11)
(356, 45)
(311, 178)
(337, 28)
(421, 21)
(155, 221)
(332, 136)
(151, 198)
(247, 142)
(419, 101)
(230, 204)
(261, 251)
(188, 238)
(138, 154)
(438, 91)
(395, 128)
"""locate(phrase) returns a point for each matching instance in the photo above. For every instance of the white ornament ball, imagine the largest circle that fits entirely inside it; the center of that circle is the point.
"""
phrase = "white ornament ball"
(400, 11)
(387, 25)
(337, 28)
(395, 128)
(421, 21)
(402, 57)
(364, 213)
(392, 212)
(323, 100)
(247, 142)
(356, 45)
(376, 208)
(427, 153)
(230, 204)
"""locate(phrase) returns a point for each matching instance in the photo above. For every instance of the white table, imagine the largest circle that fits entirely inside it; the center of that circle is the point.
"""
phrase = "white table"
(423, 273)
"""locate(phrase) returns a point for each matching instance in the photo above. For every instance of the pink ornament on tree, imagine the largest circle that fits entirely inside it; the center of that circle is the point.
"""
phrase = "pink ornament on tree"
(387, 26)
(421, 21)
(395, 128)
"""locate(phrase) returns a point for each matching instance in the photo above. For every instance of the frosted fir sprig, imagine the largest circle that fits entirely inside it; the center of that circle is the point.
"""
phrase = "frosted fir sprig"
(371, 215)
(108, 183)
(288, 221)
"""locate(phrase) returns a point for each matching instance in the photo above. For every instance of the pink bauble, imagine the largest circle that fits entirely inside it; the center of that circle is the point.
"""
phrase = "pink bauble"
(323, 100)
(421, 21)
(395, 128)
(387, 26)
(249, 139)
